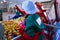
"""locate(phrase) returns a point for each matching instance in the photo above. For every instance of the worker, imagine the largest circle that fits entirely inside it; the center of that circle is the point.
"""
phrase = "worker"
(33, 26)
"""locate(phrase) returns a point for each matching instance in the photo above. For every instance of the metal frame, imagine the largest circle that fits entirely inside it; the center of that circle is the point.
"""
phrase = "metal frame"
(56, 13)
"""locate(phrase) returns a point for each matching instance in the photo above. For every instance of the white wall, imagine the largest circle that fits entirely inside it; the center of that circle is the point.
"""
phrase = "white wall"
(19, 1)
(40, 0)
(51, 14)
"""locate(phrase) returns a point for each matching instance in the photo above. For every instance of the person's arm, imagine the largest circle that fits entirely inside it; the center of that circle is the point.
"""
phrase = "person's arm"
(51, 25)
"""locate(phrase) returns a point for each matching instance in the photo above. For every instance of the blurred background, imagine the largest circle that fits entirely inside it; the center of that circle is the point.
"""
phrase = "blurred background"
(7, 6)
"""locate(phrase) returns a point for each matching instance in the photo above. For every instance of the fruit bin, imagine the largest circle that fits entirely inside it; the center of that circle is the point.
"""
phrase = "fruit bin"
(11, 28)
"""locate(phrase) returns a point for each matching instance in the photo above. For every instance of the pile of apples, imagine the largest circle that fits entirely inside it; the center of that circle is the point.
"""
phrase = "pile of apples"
(11, 27)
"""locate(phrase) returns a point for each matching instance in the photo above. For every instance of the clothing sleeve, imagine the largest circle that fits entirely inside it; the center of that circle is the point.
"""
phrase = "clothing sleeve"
(28, 22)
